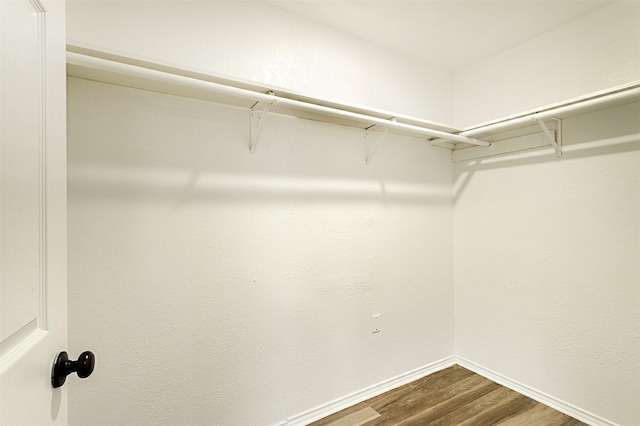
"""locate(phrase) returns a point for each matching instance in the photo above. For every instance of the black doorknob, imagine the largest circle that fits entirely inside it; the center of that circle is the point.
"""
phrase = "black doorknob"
(62, 367)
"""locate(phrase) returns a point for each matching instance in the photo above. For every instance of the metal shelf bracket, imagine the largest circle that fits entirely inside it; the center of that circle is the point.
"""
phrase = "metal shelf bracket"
(555, 142)
(257, 119)
(370, 148)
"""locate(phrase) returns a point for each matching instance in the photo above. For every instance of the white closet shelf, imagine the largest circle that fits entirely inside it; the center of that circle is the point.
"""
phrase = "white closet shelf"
(127, 71)
(540, 128)
(114, 68)
(611, 97)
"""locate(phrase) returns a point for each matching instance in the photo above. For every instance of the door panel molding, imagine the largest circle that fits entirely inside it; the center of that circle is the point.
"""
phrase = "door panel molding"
(33, 330)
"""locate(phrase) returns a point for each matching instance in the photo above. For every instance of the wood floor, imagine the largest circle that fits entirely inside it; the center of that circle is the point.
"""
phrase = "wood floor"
(454, 396)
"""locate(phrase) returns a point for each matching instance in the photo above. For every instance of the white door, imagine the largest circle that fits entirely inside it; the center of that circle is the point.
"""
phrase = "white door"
(33, 296)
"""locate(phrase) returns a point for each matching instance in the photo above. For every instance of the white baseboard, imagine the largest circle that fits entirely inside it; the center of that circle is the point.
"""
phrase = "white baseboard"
(566, 408)
(375, 390)
(347, 401)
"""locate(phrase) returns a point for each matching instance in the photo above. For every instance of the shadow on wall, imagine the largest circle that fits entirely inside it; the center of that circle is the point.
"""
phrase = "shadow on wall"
(132, 144)
(608, 132)
(210, 187)
(591, 149)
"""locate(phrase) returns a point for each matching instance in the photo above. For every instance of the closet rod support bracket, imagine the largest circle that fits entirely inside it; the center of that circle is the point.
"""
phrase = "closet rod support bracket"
(556, 141)
(370, 149)
(257, 119)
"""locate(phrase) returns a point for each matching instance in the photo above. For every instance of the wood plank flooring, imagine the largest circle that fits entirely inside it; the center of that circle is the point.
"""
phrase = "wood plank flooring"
(454, 396)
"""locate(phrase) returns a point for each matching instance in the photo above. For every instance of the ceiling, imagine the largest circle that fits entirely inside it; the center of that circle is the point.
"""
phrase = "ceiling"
(448, 33)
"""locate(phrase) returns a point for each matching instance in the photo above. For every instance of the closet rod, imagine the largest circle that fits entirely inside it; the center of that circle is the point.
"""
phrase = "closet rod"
(194, 83)
(549, 113)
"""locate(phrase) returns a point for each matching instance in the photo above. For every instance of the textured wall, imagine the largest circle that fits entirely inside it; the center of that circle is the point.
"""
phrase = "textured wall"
(220, 287)
(547, 267)
(259, 42)
(595, 52)
(183, 244)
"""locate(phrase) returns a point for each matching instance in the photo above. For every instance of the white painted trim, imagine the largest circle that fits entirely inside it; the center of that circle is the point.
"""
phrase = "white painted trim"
(19, 345)
(42, 112)
(553, 402)
(349, 400)
(364, 394)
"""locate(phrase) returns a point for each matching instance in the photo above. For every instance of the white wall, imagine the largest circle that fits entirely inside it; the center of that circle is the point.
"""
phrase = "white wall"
(595, 52)
(183, 244)
(547, 267)
(259, 42)
(220, 287)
